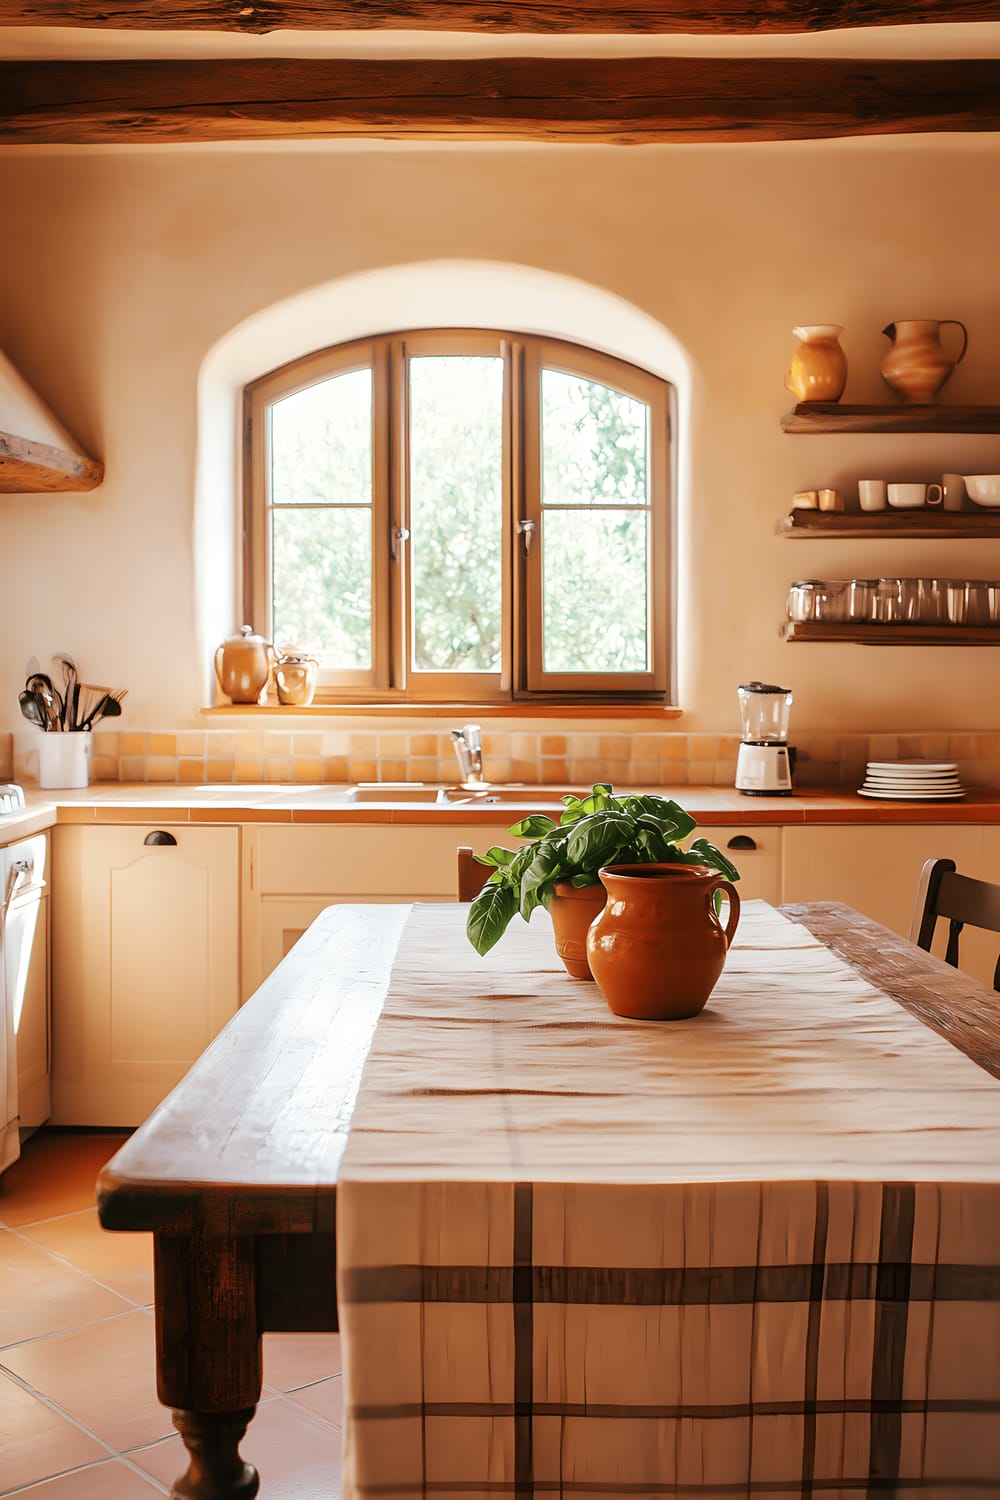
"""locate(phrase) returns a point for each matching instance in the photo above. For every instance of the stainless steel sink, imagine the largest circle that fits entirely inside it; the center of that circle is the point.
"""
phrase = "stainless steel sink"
(423, 794)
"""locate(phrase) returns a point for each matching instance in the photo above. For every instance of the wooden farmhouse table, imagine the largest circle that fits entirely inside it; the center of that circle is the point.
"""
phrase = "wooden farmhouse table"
(235, 1174)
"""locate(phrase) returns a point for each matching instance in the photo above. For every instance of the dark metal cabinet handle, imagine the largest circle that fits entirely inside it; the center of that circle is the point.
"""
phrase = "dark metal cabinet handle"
(742, 841)
(159, 836)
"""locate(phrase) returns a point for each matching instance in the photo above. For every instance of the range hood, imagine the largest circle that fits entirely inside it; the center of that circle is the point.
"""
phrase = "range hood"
(36, 452)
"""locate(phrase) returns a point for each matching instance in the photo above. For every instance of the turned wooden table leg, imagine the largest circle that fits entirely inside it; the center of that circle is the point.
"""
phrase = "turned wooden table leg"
(208, 1366)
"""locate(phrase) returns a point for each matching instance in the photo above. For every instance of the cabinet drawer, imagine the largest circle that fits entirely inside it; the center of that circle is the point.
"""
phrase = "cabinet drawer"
(396, 863)
(756, 853)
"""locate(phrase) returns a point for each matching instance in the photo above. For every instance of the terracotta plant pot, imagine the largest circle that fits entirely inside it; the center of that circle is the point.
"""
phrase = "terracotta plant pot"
(572, 909)
(658, 948)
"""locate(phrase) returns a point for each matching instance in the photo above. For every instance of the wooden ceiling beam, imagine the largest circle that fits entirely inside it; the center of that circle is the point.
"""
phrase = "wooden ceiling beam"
(623, 100)
(568, 17)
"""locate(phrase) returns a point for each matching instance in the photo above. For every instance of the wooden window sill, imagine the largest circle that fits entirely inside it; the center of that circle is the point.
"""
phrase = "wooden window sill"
(656, 711)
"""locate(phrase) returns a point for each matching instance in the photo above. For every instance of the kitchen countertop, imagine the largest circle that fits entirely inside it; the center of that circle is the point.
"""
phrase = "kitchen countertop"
(120, 802)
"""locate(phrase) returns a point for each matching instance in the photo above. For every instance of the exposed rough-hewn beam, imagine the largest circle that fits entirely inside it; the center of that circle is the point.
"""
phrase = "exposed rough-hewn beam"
(537, 99)
(254, 17)
(505, 99)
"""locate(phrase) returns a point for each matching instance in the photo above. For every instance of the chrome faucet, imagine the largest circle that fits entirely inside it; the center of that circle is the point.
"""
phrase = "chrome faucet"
(469, 749)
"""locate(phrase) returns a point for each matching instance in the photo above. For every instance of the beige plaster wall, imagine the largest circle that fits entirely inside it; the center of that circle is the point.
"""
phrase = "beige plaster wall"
(120, 272)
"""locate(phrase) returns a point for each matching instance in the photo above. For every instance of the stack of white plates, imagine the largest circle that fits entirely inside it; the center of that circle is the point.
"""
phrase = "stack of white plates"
(912, 780)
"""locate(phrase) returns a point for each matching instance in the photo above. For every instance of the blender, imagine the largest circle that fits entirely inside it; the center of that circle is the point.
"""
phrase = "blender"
(763, 767)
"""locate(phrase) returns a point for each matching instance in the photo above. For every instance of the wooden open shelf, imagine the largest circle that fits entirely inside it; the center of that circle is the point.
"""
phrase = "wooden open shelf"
(892, 635)
(29, 467)
(895, 523)
(832, 416)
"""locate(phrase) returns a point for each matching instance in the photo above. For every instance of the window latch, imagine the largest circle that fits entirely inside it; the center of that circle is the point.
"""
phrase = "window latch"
(526, 531)
(400, 534)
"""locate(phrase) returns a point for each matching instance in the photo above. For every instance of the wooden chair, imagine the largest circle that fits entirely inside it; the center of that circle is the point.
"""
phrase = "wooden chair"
(943, 893)
(471, 876)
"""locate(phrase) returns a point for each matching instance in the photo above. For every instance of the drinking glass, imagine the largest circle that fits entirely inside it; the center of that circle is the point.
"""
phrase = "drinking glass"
(888, 606)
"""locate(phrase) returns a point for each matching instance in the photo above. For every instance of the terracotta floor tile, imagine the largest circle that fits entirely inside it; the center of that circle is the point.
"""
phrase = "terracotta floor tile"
(35, 1441)
(104, 1376)
(110, 1481)
(123, 1262)
(325, 1399)
(297, 1457)
(294, 1359)
(54, 1175)
(40, 1296)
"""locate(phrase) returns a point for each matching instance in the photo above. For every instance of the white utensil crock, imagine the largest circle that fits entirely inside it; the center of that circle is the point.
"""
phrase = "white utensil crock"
(63, 759)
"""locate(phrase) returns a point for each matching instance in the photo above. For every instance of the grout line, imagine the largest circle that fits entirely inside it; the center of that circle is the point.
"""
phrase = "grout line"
(59, 1412)
(63, 1261)
(58, 1333)
(99, 1463)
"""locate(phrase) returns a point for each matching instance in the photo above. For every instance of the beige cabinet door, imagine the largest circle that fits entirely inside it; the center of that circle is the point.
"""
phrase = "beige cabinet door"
(26, 972)
(145, 963)
(876, 870)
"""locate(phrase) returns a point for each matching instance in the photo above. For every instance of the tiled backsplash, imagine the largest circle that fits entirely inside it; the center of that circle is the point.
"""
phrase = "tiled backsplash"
(627, 759)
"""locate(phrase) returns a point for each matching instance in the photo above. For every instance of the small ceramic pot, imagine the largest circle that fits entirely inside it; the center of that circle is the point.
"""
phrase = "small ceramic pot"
(658, 948)
(243, 665)
(572, 909)
(295, 677)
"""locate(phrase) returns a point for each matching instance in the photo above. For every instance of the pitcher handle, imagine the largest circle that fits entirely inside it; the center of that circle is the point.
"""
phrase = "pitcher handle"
(218, 669)
(965, 336)
(734, 909)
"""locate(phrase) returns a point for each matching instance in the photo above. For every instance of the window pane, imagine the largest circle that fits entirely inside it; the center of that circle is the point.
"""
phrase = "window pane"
(594, 443)
(321, 443)
(456, 498)
(321, 581)
(595, 588)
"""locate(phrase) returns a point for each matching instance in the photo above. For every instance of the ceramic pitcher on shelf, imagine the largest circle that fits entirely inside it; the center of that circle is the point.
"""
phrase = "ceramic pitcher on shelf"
(916, 367)
(818, 371)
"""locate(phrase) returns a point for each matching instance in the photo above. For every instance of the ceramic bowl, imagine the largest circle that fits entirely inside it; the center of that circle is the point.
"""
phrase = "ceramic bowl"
(983, 488)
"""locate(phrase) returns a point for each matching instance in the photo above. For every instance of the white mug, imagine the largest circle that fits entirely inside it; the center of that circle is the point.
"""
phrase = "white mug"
(871, 494)
(953, 491)
(909, 496)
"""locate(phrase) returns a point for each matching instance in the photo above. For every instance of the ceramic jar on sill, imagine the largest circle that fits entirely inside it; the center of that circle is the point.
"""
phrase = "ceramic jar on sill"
(295, 675)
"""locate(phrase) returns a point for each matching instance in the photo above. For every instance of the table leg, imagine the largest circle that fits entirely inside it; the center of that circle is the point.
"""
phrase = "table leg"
(208, 1366)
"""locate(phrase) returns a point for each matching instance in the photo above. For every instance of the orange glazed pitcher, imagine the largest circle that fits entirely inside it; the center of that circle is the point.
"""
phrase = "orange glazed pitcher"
(658, 948)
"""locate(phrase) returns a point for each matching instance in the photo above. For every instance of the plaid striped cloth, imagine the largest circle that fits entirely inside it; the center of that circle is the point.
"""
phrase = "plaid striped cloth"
(756, 1253)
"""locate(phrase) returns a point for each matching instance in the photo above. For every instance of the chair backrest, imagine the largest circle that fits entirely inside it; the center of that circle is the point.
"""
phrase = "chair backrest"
(960, 900)
(472, 876)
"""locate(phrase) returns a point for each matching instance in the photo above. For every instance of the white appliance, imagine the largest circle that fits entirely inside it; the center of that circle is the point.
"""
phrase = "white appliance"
(763, 762)
(22, 883)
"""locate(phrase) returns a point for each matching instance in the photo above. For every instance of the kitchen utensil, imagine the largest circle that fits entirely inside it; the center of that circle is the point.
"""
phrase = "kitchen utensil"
(861, 598)
(91, 697)
(51, 700)
(911, 496)
(803, 599)
(32, 709)
(984, 489)
(763, 762)
(916, 367)
(243, 665)
(818, 370)
(871, 494)
(952, 491)
(888, 603)
(69, 685)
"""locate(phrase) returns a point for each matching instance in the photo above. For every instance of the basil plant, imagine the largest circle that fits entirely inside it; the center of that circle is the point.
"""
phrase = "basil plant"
(594, 831)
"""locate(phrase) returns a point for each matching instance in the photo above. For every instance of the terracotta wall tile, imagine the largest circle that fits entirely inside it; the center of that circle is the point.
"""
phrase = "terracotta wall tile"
(103, 768)
(276, 769)
(132, 768)
(131, 744)
(307, 769)
(161, 768)
(218, 770)
(161, 744)
(334, 767)
(393, 770)
(307, 744)
(190, 770)
(190, 742)
(248, 770)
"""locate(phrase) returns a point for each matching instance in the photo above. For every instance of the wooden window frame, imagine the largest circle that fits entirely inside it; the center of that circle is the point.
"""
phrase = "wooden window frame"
(521, 678)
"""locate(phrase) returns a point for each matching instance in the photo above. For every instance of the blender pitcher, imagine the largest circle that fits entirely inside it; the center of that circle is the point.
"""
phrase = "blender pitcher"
(763, 766)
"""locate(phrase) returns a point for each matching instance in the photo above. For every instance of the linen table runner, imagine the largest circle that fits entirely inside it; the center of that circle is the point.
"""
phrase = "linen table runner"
(750, 1254)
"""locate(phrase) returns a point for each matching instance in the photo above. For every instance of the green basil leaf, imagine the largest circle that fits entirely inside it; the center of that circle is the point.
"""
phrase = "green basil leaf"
(540, 876)
(596, 839)
(535, 826)
(496, 856)
(710, 855)
(490, 915)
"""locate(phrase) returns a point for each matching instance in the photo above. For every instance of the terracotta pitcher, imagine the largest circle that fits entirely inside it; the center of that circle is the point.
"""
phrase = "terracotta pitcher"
(658, 948)
(818, 371)
(916, 367)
